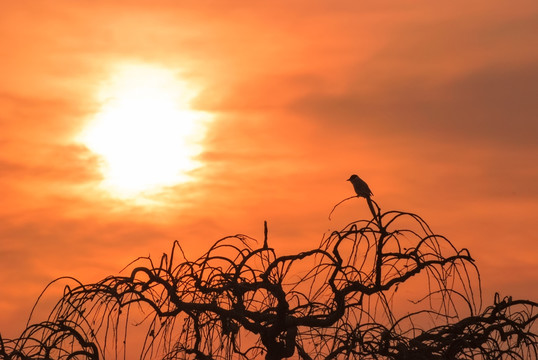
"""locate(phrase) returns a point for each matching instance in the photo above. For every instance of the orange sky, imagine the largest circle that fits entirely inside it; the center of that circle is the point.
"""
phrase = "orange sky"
(433, 104)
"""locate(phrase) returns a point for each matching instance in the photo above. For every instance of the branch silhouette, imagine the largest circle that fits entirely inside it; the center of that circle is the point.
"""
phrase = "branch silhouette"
(335, 301)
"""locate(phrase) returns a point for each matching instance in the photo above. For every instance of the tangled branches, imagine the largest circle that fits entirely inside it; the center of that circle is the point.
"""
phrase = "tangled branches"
(339, 300)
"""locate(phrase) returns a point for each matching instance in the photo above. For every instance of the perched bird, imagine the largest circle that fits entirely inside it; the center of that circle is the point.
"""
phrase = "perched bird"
(360, 186)
(363, 190)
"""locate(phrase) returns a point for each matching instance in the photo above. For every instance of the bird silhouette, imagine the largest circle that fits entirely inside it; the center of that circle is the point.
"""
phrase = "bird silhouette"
(363, 190)
(361, 187)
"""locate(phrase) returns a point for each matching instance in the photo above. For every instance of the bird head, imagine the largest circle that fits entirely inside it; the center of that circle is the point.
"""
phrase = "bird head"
(352, 177)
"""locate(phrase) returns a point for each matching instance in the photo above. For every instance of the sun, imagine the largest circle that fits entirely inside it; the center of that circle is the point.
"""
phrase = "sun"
(145, 132)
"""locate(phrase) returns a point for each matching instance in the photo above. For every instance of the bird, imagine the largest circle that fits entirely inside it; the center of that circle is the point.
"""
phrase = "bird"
(363, 190)
(360, 186)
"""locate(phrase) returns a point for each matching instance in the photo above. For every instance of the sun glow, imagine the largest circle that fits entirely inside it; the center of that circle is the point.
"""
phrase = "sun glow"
(145, 132)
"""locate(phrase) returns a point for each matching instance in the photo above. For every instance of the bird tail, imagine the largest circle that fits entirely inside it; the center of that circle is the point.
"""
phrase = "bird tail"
(371, 206)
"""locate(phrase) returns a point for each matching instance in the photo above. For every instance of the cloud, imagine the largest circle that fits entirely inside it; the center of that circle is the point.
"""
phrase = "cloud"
(449, 75)
(490, 104)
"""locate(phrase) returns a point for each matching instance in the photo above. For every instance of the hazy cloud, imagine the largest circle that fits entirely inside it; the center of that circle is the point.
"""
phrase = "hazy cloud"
(492, 104)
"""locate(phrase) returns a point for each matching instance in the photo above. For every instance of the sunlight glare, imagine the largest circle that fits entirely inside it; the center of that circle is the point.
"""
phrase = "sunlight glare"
(145, 132)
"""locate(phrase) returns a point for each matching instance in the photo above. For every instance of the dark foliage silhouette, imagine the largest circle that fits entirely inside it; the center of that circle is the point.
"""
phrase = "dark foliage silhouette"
(340, 300)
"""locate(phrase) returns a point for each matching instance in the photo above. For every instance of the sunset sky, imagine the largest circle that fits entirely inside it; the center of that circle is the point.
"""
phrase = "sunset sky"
(261, 110)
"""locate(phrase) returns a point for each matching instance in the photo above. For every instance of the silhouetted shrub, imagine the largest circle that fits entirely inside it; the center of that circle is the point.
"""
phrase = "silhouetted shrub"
(336, 301)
